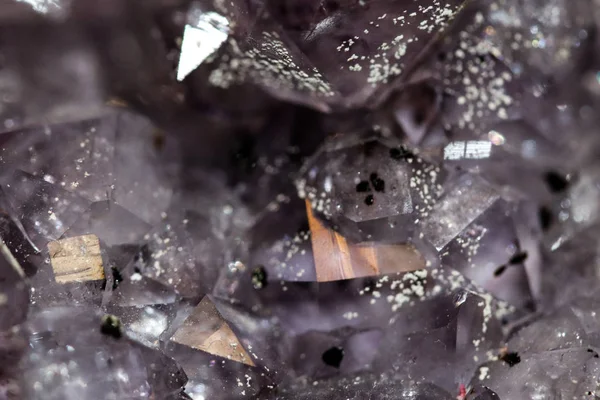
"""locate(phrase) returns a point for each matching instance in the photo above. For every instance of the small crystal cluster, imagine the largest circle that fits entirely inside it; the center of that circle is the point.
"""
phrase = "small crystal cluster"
(299, 199)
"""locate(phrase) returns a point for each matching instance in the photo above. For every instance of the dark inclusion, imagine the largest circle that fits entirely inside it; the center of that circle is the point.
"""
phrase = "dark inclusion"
(556, 182)
(363, 186)
(500, 270)
(259, 277)
(400, 153)
(377, 182)
(518, 258)
(111, 326)
(117, 277)
(333, 356)
(545, 216)
(511, 359)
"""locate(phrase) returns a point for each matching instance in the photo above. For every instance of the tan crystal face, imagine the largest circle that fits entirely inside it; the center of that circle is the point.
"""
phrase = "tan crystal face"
(76, 259)
(206, 330)
(336, 258)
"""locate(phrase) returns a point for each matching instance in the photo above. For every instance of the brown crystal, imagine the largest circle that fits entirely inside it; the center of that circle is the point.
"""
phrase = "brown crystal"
(336, 258)
(76, 259)
(206, 330)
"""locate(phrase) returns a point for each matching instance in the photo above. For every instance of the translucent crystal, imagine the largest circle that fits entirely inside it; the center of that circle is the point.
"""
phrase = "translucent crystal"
(46, 210)
(370, 189)
(299, 199)
(14, 293)
(201, 37)
(90, 359)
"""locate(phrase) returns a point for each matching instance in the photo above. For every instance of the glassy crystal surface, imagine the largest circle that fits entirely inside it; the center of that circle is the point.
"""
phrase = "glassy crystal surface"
(299, 199)
(15, 294)
(79, 352)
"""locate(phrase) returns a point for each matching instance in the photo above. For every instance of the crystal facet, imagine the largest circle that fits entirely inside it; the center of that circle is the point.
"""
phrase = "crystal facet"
(299, 199)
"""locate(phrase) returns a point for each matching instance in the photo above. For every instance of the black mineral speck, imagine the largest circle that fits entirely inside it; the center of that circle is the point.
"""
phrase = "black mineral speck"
(400, 153)
(511, 359)
(377, 182)
(333, 356)
(500, 270)
(518, 258)
(556, 182)
(545, 216)
(363, 186)
(259, 277)
(369, 200)
(111, 326)
(117, 277)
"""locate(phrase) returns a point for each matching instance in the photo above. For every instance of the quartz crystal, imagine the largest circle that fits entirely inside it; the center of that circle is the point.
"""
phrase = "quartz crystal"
(299, 199)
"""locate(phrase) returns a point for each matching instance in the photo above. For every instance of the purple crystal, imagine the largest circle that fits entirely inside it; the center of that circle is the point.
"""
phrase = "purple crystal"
(91, 358)
(14, 293)
(299, 199)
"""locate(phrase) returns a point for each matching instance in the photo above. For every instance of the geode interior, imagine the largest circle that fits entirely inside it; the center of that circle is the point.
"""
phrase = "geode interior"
(299, 199)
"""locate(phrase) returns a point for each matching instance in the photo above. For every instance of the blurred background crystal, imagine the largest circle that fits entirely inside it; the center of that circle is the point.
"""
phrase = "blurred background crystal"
(299, 199)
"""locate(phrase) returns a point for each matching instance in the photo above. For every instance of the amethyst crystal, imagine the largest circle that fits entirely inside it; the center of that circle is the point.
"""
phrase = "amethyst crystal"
(299, 199)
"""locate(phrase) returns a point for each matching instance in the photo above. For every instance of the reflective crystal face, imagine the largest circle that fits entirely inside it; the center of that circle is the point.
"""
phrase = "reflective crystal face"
(299, 199)
(369, 189)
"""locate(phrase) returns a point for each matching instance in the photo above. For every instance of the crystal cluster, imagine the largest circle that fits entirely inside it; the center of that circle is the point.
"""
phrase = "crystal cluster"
(299, 199)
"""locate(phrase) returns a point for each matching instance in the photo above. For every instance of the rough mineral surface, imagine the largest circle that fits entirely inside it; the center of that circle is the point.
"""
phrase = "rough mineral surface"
(299, 199)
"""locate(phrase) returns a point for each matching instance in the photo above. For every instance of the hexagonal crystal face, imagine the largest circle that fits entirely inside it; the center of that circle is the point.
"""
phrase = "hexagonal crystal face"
(369, 188)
